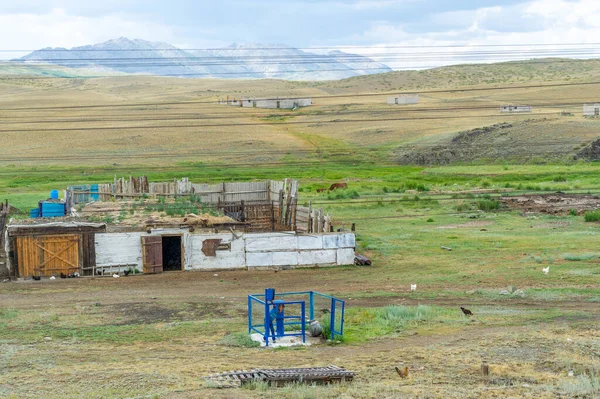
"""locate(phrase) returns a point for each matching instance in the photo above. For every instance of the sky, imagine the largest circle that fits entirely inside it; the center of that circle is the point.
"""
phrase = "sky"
(34, 24)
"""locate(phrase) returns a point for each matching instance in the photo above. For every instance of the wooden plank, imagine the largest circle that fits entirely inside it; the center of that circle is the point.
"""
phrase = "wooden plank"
(152, 261)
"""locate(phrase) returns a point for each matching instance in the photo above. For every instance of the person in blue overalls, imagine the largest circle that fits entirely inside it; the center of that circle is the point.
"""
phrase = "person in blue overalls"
(276, 314)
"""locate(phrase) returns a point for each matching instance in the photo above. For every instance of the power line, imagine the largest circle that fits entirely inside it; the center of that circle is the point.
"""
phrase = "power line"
(435, 91)
(242, 48)
(326, 57)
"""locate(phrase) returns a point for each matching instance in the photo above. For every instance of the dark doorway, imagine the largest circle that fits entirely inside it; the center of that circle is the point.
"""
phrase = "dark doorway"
(171, 249)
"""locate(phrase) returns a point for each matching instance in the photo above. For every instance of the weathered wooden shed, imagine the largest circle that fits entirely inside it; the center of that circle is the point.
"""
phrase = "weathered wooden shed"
(46, 249)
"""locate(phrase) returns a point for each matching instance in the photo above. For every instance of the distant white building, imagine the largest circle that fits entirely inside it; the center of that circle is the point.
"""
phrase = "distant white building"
(403, 99)
(516, 108)
(275, 103)
(591, 110)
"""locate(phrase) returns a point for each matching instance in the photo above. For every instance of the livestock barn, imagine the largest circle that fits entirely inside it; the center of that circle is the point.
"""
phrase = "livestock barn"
(403, 99)
(259, 234)
(591, 109)
(516, 108)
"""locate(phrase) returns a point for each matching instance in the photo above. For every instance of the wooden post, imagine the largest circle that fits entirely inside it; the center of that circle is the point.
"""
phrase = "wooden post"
(272, 216)
(243, 215)
(309, 230)
(280, 211)
(293, 221)
(353, 228)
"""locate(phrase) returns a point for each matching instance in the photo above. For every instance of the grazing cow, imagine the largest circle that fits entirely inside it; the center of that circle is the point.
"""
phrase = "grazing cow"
(335, 186)
(321, 190)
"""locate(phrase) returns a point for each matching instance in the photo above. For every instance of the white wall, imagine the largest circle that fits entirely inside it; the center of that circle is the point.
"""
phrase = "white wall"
(227, 259)
(260, 250)
(403, 99)
(590, 110)
(272, 104)
(119, 249)
(281, 249)
(516, 108)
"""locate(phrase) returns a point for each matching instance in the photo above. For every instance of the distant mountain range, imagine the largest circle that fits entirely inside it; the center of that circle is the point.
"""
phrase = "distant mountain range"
(254, 61)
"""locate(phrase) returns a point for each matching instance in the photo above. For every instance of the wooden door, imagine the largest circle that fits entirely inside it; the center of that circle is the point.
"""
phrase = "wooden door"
(152, 254)
(48, 255)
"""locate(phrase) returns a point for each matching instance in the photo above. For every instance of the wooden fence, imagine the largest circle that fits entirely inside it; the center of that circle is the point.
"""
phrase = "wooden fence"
(135, 187)
(270, 205)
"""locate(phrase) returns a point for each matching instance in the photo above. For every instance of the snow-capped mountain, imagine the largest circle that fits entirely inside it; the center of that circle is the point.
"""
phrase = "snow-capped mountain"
(256, 61)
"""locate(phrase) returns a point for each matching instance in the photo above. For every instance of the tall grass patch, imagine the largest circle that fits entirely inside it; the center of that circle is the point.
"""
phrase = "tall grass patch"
(592, 216)
(364, 324)
(488, 205)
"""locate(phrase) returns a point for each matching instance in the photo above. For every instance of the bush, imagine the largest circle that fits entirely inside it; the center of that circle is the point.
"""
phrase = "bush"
(430, 220)
(488, 205)
(573, 212)
(592, 216)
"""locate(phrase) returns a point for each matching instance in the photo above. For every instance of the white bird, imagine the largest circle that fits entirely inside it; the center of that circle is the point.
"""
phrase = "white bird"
(52, 278)
(546, 270)
(413, 287)
(116, 275)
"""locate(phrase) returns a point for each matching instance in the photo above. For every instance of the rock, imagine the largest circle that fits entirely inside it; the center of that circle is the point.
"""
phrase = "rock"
(504, 292)
(511, 289)
(519, 293)
(215, 275)
(315, 328)
(47, 339)
(470, 292)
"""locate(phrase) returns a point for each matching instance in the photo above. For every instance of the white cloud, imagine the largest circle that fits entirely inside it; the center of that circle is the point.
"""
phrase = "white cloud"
(534, 22)
(24, 31)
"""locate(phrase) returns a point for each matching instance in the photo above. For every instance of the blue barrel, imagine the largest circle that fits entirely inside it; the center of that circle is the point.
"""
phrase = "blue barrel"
(53, 209)
(34, 213)
(94, 196)
(54, 194)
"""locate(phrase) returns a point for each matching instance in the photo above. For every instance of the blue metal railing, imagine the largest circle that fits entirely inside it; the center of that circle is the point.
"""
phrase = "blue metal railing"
(336, 317)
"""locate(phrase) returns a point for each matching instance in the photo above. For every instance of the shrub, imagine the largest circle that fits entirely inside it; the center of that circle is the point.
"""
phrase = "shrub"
(430, 220)
(579, 257)
(573, 212)
(592, 216)
(488, 205)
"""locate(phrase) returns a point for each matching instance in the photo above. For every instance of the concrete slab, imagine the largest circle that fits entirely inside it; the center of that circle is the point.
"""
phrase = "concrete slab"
(286, 341)
(322, 257)
(310, 242)
(345, 256)
(258, 259)
(285, 258)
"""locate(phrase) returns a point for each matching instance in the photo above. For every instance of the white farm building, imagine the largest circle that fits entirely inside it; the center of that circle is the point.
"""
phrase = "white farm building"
(403, 99)
(516, 108)
(275, 103)
(591, 109)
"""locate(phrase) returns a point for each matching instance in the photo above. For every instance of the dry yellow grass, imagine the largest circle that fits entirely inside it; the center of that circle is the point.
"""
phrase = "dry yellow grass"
(233, 130)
